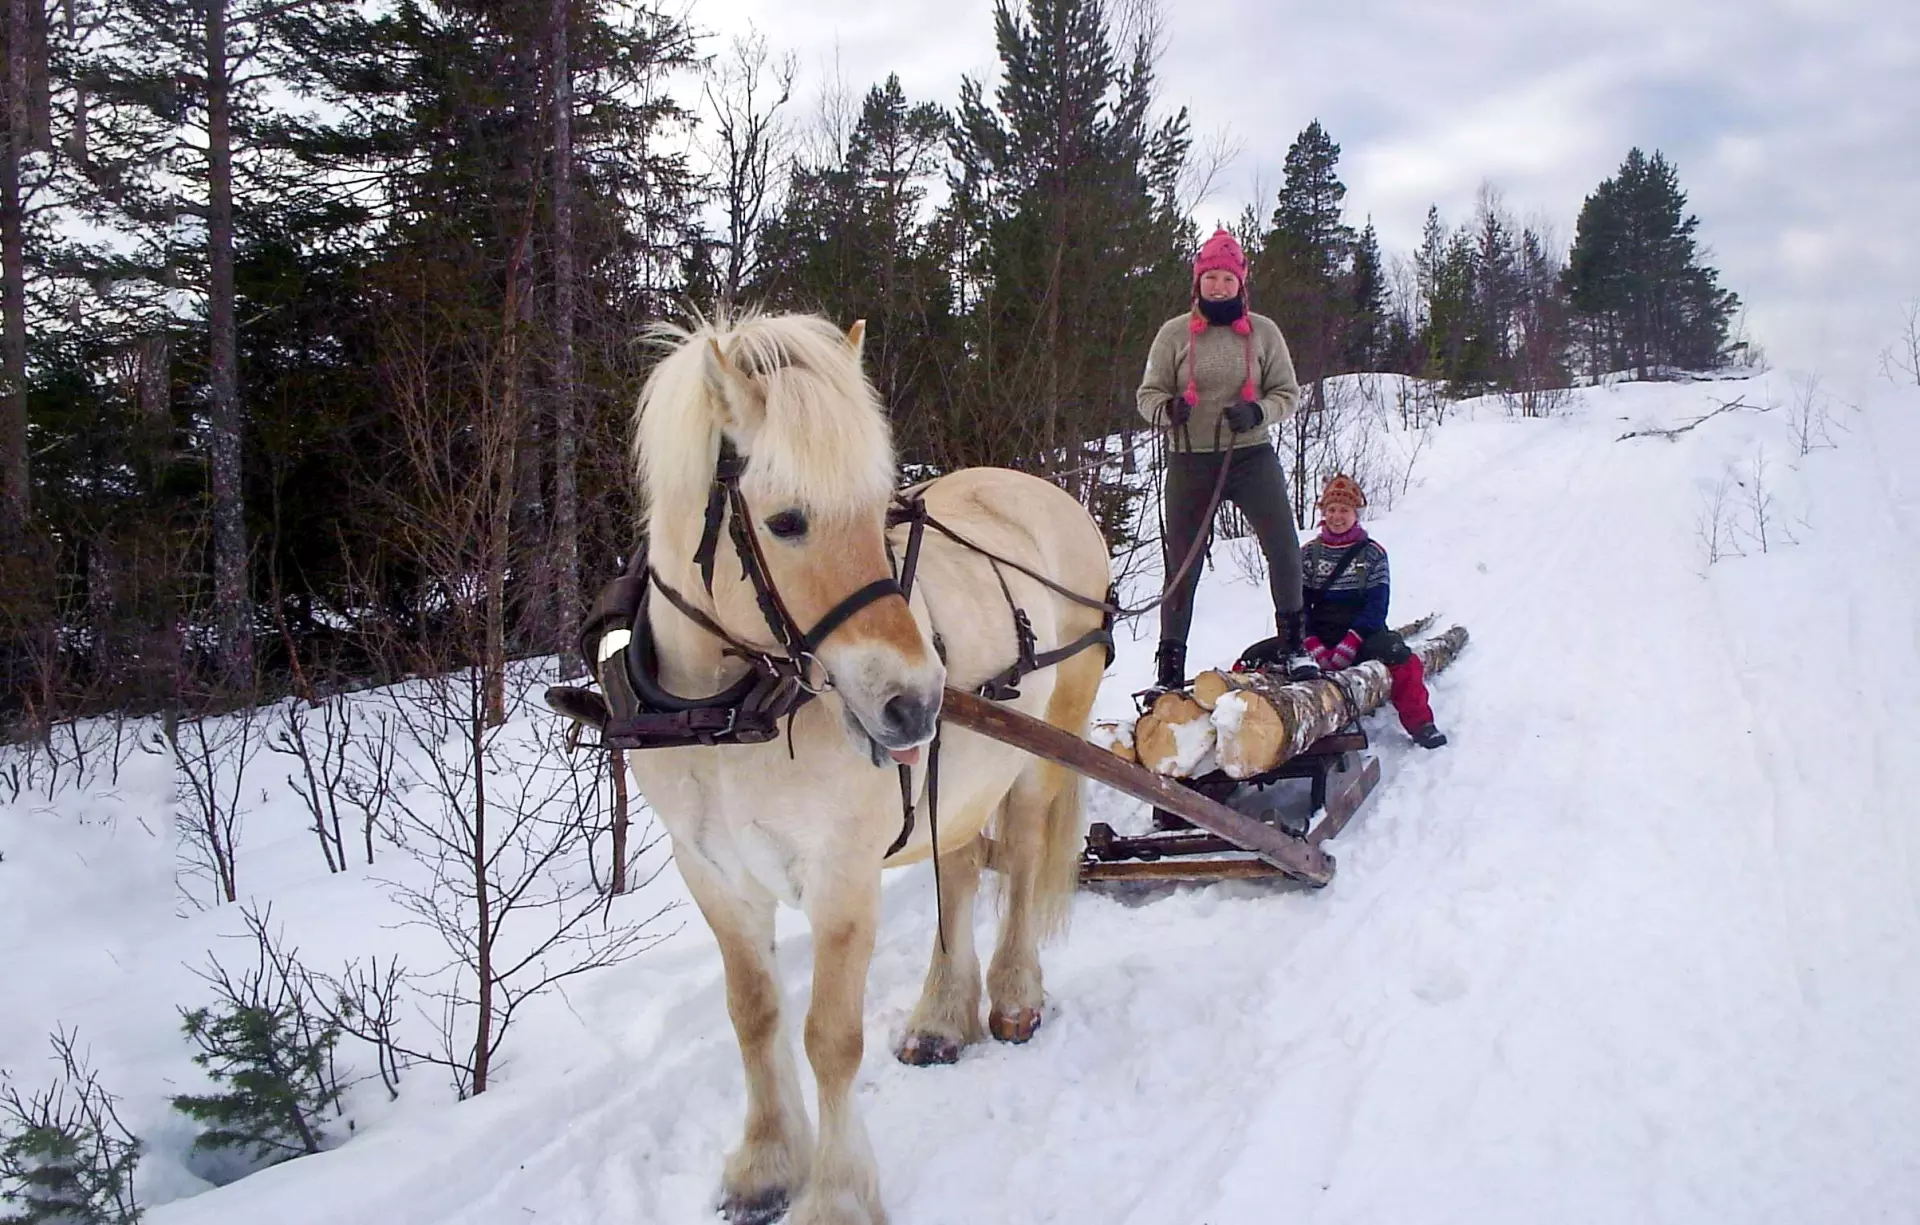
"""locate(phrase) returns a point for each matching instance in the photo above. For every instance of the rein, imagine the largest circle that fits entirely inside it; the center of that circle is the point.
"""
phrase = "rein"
(1113, 610)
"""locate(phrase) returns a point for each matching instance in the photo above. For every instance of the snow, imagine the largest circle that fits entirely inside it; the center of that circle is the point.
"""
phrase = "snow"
(1642, 943)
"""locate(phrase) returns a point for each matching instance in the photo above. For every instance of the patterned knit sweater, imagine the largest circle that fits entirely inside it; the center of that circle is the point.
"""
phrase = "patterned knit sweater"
(1219, 372)
(1357, 599)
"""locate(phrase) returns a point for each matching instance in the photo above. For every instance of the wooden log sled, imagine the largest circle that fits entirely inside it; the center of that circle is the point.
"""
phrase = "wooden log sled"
(1262, 730)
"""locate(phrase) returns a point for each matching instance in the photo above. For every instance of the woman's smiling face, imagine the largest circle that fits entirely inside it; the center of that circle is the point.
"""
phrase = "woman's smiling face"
(1218, 285)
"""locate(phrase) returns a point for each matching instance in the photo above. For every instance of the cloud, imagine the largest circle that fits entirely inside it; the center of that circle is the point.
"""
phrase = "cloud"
(1795, 124)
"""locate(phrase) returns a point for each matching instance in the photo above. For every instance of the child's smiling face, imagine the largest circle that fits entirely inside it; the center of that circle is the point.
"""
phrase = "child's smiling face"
(1339, 517)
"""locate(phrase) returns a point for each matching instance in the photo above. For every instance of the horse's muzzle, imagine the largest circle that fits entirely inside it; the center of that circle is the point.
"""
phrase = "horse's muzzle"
(908, 719)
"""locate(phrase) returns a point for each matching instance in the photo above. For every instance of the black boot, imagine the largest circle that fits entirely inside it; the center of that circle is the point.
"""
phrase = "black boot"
(1293, 635)
(1428, 736)
(1170, 665)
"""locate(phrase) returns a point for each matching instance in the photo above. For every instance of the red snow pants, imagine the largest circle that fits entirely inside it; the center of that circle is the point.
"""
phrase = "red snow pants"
(1409, 677)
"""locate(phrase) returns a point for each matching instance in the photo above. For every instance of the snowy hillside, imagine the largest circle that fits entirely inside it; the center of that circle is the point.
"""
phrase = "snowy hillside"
(1642, 944)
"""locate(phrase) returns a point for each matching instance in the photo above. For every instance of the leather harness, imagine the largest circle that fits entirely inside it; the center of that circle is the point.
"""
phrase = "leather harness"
(643, 714)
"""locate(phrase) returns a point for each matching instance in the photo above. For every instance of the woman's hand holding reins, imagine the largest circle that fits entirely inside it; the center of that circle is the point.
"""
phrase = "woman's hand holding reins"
(1243, 416)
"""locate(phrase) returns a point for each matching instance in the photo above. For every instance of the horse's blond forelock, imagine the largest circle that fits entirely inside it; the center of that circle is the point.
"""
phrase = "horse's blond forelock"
(823, 443)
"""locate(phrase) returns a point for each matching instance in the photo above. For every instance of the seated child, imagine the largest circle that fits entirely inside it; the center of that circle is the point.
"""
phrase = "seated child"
(1344, 573)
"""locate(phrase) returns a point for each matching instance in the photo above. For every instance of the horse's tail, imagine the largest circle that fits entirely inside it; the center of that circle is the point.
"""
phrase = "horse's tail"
(1062, 840)
(1063, 833)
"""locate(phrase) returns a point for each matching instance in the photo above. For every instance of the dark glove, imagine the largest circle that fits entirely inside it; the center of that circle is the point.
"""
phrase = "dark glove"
(1176, 411)
(1243, 416)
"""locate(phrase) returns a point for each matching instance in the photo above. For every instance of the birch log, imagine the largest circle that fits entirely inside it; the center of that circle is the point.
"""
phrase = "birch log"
(1174, 736)
(1208, 687)
(1261, 721)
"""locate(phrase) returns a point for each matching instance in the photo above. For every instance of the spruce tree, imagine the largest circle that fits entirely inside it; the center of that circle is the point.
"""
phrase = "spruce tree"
(274, 1063)
(1305, 257)
(852, 243)
(1644, 299)
(65, 1157)
(1367, 334)
(1068, 241)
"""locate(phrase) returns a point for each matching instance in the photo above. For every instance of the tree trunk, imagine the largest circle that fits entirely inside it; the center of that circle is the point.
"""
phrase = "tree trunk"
(477, 723)
(565, 551)
(503, 413)
(1271, 722)
(230, 593)
(14, 497)
(1257, 722)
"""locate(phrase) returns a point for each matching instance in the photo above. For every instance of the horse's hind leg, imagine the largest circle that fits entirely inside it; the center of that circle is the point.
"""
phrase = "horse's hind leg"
(770, 1167)
(1037, 850)
(1014, 987)
(947, 1018)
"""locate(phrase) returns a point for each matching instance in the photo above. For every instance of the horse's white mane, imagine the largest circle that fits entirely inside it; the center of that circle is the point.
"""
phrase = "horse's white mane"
(823, 443)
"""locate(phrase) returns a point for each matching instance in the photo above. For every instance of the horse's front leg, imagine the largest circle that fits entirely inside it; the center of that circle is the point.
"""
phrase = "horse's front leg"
(843, 1188)
(947, 1019)
(770, 1167)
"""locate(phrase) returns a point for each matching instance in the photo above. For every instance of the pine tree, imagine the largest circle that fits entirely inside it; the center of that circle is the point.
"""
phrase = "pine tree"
(1305, 258)
(1068, 242)
(1367, 334)
(1644, 300)
(65, 1157)
(274, 1063)
(852, 243)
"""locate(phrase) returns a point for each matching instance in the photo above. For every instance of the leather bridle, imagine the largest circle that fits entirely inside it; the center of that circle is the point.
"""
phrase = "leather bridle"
(801, 646)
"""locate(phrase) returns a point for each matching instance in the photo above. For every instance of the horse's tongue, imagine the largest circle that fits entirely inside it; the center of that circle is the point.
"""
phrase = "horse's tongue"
(906, 757)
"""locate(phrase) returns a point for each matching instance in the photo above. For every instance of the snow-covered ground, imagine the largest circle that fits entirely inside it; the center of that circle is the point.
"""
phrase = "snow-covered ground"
(1641, 944)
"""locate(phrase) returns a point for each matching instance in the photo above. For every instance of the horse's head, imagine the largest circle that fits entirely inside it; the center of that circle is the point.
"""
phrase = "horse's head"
(787, 392)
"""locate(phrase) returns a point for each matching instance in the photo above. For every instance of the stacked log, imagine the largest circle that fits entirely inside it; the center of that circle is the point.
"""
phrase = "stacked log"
(1174, 736)
(1247, 723)
(1115, 738)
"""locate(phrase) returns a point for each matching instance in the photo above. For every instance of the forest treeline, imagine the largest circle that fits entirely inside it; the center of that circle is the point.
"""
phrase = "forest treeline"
(321, 320)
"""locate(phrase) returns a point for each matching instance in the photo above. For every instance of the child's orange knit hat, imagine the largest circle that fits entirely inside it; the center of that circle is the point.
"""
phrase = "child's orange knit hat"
(1343, 490)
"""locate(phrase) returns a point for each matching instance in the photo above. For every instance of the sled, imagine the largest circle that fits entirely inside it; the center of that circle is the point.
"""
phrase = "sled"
(1225, 842)
(1340, 775)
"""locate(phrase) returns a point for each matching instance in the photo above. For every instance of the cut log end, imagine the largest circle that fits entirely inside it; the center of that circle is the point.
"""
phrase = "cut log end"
(1250, 734)
(1173, 736)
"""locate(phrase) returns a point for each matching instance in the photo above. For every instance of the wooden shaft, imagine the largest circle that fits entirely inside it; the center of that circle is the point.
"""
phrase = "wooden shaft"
(1291, 855)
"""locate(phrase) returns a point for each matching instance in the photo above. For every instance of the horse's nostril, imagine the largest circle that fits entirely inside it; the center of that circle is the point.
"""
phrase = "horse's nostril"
(911, 718)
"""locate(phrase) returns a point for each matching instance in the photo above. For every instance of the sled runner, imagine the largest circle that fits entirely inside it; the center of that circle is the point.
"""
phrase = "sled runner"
(1340, 776)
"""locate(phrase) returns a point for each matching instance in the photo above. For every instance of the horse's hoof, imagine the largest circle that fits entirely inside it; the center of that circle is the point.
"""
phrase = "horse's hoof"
(929, 1050)
(1018, 1027)
(762, 1208)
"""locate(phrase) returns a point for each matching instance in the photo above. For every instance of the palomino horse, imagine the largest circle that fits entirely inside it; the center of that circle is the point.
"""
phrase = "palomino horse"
(810, 822)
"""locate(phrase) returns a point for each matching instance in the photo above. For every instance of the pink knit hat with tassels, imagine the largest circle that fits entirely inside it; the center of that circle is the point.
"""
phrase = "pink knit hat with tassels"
(1221, 253)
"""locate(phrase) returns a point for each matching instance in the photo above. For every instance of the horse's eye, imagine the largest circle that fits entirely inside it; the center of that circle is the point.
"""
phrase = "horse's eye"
(788, 524)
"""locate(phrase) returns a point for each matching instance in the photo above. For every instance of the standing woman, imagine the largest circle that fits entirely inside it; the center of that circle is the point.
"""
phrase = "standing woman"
(1217, 377)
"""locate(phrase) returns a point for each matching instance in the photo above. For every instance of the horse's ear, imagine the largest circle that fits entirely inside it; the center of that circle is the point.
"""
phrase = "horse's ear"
(735, 391)
(857, 336)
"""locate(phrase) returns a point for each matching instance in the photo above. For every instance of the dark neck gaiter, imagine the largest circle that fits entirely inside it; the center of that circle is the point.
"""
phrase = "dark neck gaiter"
(1222, 314)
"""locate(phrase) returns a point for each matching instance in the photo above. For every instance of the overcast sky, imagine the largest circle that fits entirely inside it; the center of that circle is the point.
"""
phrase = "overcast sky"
(1795, 124)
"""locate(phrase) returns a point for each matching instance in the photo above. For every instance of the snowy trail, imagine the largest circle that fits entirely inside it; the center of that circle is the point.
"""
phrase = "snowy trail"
(1641, 944)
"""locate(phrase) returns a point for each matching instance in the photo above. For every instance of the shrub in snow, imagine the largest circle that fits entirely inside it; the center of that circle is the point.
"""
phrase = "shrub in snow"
(65, 1157)
(270, 1052)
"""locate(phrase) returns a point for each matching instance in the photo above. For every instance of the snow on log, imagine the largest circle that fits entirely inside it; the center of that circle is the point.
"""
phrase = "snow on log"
(1247, 723)
(1262, 721)
(1115, 738)
(1174, 736)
